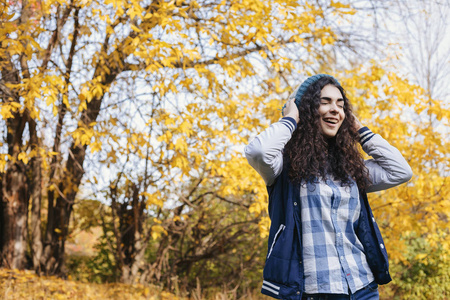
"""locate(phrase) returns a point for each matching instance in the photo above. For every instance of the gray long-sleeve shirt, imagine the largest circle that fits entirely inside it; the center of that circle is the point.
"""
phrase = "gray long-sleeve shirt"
(387, 168)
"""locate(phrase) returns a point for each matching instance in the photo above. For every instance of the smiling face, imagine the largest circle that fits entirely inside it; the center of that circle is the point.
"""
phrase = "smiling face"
(331, 110)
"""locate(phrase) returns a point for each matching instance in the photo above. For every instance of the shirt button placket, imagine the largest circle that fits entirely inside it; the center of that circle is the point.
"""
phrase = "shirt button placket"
(338, 239)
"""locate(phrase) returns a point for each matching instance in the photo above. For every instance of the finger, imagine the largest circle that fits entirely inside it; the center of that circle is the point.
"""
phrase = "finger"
(289, 102)
(293, 102)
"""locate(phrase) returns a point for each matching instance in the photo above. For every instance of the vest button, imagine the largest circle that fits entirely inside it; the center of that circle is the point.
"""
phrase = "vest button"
(298, 292)
(295, 203)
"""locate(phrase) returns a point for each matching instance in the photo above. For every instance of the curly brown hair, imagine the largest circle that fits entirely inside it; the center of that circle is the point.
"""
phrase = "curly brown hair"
(312, 156)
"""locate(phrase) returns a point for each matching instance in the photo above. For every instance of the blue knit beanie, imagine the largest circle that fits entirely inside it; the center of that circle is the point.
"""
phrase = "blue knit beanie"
(298, 93)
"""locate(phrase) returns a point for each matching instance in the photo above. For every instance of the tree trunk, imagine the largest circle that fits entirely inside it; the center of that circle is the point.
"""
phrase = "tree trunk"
(67, 190)
(35, 193)
(14, 195)
(132, 235)
(14, 211)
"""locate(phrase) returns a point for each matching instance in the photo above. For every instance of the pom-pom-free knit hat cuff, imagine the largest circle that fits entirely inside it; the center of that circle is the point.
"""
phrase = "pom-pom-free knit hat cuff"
(298, 93)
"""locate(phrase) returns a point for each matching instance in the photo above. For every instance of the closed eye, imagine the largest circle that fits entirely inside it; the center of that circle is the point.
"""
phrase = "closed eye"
(327, 100)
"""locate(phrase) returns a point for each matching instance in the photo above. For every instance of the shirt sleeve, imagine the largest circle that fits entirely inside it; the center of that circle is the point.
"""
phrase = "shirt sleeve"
(388, 167)
(265, 152)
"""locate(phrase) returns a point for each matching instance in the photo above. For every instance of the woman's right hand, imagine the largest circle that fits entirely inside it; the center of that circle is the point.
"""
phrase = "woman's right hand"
(291, 110)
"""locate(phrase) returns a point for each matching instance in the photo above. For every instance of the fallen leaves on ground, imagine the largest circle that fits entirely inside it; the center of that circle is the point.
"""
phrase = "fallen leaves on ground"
(16, 284)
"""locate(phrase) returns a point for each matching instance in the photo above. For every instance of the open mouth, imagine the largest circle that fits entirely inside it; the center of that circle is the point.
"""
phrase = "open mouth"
(330, 121)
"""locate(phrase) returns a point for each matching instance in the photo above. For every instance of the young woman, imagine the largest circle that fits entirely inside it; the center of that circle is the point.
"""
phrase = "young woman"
(324, 242)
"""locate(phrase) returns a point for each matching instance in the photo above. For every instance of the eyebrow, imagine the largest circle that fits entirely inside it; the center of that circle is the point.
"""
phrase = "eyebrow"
(329, 99)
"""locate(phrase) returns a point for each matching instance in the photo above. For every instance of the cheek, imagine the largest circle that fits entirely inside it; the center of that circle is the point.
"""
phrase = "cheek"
(320, 110)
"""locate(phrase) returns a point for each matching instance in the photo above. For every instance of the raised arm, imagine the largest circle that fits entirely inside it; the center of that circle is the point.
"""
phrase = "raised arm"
(265, 152)
(388, 168)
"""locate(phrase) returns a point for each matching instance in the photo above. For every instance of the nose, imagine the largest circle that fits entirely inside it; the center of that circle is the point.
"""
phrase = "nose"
(334, 108)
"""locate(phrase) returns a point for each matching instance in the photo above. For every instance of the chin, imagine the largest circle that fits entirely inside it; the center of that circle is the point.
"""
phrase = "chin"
(329, 135)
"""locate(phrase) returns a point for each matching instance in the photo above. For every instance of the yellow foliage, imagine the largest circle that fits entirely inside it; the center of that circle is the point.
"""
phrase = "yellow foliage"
(23, 157)
(153, 199)
(160, 93)
(157, 231)
(3, 160)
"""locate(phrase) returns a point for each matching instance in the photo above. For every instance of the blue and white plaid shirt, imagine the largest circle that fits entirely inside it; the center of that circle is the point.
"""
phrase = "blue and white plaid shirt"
(333, 257)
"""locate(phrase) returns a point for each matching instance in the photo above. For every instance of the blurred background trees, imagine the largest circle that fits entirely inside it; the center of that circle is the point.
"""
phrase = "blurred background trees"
(130, 116)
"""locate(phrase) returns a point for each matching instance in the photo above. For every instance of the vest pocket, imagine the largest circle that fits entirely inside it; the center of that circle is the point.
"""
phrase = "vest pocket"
(275, 238)
(282, 264)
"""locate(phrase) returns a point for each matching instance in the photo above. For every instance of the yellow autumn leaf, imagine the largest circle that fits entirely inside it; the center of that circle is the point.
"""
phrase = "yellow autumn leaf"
(157, 231)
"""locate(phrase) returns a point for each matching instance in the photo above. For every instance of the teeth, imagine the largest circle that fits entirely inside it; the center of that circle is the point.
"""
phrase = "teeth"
(334, 121)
